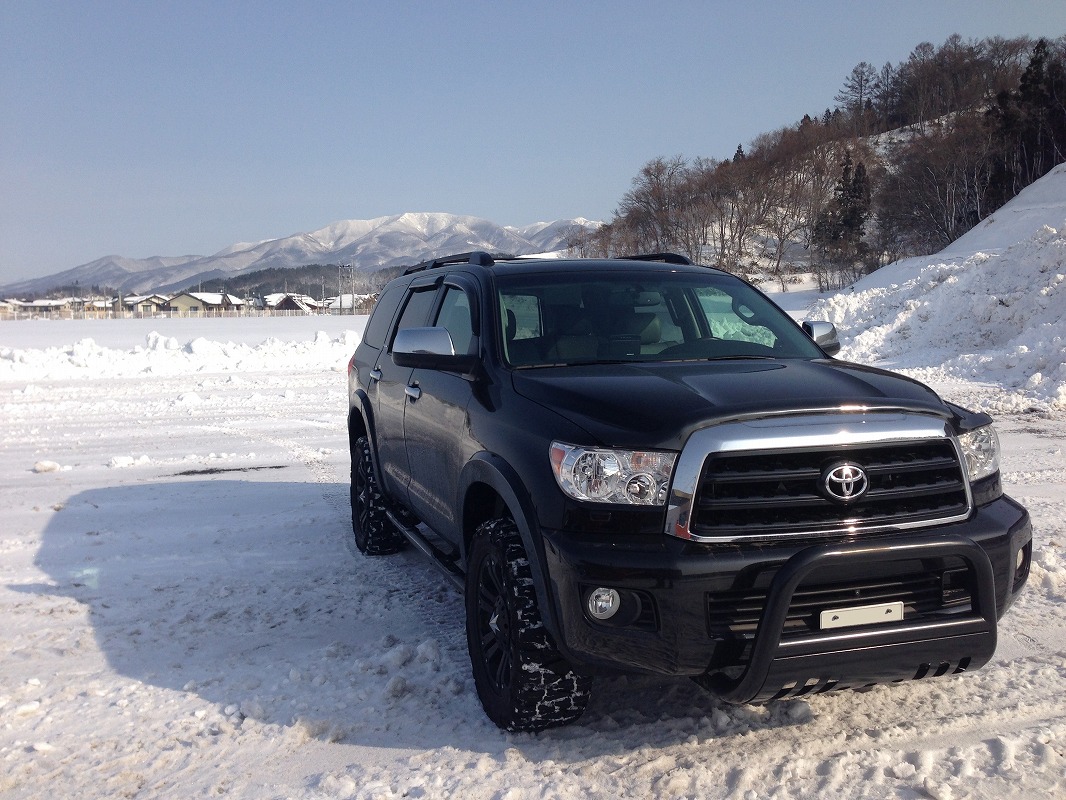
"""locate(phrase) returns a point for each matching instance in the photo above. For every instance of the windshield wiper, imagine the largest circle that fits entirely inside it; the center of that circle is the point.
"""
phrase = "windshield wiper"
(582, 363)
(720, 358)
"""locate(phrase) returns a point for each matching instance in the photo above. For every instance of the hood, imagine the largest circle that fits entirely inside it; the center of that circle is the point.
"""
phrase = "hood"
(660, 404)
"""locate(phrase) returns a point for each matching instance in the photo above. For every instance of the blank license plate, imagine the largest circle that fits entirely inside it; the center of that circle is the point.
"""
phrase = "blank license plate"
(861, 615)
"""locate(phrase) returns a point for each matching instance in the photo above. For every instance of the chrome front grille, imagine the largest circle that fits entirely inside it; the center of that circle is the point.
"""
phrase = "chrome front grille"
(773, 478)
(782, 492)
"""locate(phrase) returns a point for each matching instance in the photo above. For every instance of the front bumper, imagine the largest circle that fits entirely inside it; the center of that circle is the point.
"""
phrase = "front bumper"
(672, 594)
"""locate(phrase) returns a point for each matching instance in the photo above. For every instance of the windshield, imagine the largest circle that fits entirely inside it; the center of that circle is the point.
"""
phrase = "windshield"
(595, 317)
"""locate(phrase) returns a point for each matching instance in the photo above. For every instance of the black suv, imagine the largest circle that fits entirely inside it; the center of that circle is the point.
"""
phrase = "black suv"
(644, 465)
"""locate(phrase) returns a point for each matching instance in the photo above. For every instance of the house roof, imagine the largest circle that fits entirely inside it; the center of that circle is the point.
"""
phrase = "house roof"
(133, 299)
(213, 298)
(302, 301)
(347, 300)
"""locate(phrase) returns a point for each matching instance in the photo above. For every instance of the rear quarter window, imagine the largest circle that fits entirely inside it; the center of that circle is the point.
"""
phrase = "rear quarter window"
(384, 310)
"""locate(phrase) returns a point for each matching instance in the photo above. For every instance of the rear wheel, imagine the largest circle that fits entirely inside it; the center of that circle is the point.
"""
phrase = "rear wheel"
(375, 535)
(521, 679)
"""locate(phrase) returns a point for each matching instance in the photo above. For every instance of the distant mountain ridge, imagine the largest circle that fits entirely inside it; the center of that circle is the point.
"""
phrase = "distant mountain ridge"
(366, 244)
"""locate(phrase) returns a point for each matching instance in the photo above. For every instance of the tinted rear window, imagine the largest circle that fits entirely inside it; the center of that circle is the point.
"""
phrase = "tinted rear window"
(378, 325)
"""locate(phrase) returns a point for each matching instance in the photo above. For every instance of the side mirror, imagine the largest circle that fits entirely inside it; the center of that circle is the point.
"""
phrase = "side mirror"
(824, 335)
(430, 348)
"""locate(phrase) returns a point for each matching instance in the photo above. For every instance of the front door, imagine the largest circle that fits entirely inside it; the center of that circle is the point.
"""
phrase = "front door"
(436, 424)
(391, 393)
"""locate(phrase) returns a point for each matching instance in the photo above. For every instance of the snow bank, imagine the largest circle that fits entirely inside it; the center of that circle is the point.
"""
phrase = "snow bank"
(995, 314)
(161, 354)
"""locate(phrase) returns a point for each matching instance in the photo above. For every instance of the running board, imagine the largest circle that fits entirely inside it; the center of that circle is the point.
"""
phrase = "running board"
(446, 564)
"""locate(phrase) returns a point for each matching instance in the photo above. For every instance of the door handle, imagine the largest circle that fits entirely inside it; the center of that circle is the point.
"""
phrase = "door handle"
(375, 374)
(413, 392)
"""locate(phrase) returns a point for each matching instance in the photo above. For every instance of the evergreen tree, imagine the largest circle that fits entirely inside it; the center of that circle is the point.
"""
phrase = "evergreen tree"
(855, 204)
(839, 231)
(1030, 124)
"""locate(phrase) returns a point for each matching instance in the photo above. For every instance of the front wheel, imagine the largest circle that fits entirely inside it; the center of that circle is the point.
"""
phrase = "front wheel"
(521, 679)
(375, 535)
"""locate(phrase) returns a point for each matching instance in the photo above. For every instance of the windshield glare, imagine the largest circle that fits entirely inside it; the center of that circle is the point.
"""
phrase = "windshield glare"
(552, 319)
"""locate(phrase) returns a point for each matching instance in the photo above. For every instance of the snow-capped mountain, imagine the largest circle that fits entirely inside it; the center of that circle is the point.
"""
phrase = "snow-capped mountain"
(367, 244)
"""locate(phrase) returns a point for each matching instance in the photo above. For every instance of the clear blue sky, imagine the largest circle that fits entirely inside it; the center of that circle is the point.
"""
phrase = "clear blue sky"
(173, 128)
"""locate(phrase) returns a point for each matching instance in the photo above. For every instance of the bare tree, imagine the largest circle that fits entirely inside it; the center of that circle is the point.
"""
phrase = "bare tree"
(856, 97)
(795, 177)
(651, 209)
(938, 186)
(920, 86)
(697, 213)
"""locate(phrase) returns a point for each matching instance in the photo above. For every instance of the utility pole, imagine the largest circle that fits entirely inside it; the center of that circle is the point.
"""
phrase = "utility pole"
(346, 271)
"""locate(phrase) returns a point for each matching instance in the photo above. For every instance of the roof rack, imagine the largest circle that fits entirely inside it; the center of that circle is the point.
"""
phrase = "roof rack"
(666, 258)
(478, 257)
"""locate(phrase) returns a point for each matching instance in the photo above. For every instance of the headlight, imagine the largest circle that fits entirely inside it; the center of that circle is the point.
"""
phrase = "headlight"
(981, 449)
(637, 477)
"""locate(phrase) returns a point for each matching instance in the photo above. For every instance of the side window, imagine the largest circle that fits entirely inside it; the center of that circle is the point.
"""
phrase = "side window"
(384, 309)
(455, 317)
(415, 312)
(523, 328)
(731, 320)
(522, 317)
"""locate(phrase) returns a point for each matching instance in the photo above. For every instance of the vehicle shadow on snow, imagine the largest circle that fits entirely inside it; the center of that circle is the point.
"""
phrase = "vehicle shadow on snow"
(250, 596)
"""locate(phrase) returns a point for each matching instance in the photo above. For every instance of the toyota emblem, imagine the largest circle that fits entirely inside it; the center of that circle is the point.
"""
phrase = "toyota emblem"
(845, 482)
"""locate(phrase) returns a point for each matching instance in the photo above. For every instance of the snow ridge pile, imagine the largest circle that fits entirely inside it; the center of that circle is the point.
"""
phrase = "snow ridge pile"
(165, 355)
(993, 316)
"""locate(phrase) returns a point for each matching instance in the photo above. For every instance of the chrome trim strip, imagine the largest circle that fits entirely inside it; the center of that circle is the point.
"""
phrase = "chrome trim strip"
(795, 432)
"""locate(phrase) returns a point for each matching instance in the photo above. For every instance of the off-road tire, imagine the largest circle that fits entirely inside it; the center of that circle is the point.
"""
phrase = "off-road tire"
(375, 535)
(521, 679)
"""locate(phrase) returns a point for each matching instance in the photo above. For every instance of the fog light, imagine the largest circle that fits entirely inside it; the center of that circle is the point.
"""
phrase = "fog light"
(1021, 566)
(603, 603)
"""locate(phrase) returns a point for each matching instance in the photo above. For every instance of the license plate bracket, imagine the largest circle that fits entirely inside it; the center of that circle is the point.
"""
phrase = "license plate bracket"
(875, 614)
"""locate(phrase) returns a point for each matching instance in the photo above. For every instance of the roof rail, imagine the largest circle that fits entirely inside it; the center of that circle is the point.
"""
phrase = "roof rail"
(666, 258)
(478, 257)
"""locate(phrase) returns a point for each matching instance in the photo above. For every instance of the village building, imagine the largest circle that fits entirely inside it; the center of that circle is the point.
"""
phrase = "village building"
(46, 308)
(194, 303)
(141, 304)
(351, 303)
(287, 301)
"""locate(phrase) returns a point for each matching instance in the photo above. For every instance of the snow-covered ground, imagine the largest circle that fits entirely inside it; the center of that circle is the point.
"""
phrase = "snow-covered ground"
(182, 614)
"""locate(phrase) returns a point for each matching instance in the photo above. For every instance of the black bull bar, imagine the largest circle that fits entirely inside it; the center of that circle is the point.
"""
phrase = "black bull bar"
(853, 658)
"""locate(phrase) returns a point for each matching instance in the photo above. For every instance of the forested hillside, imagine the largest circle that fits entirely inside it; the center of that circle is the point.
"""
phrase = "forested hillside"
(315, 280)
(911, 157)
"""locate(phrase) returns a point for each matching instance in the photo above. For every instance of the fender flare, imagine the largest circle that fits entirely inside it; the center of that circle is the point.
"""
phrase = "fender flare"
(501, 477)
(360, 406)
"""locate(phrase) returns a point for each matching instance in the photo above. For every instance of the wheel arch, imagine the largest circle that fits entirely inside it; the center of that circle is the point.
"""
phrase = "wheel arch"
(360, 419)
(360, 415)
(491, 488)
